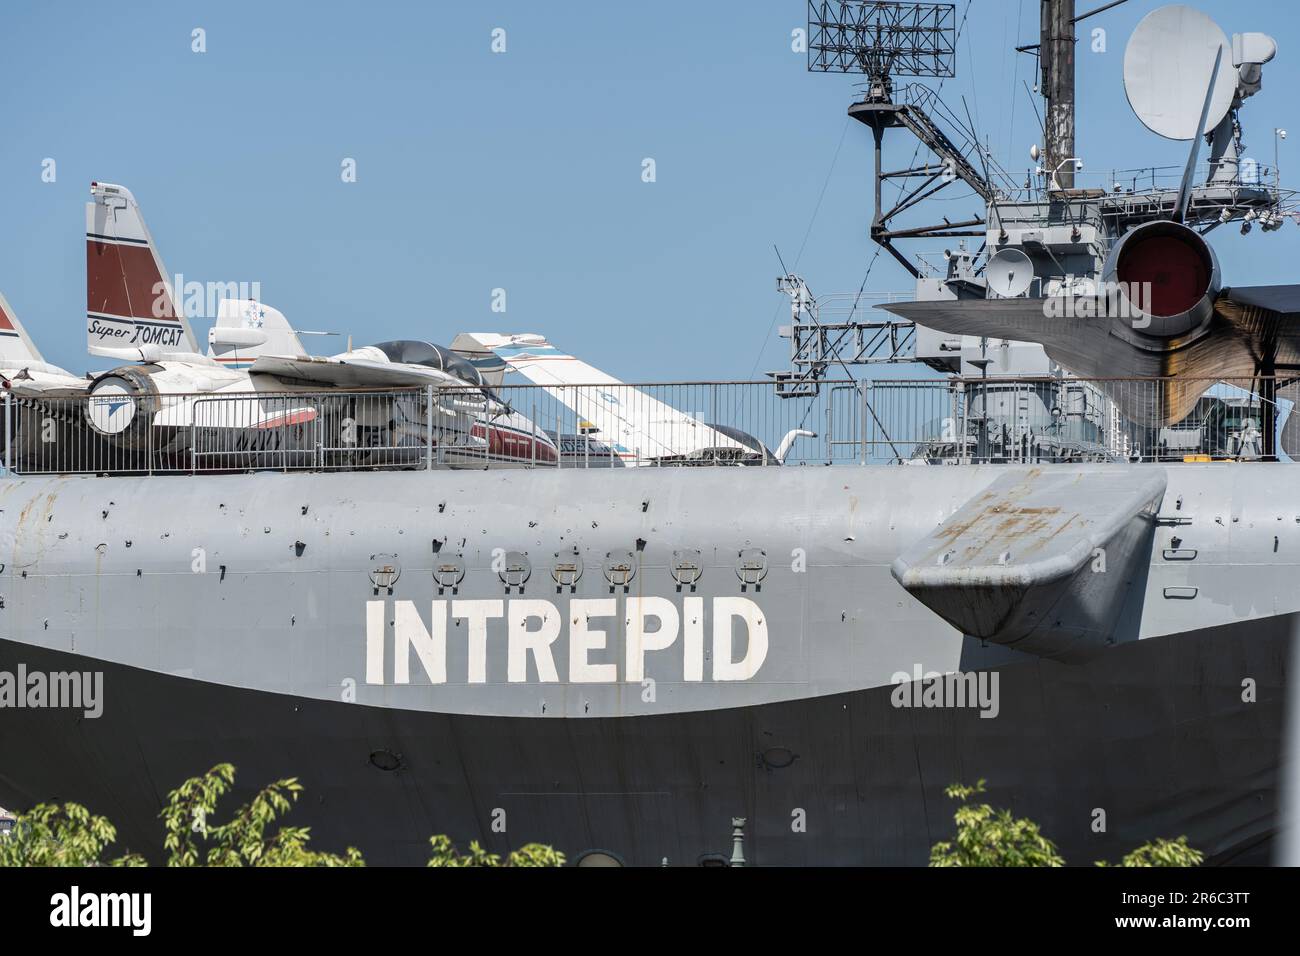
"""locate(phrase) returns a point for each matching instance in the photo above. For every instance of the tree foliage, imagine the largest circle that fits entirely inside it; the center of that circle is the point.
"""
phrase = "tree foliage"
(531, 854)
(1162, 852)
(70, 835)
(243, 840)
(989, 837)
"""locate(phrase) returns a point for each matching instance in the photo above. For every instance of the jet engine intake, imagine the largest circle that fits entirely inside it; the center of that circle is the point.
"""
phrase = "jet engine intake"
(121, 404)
(1165, 278)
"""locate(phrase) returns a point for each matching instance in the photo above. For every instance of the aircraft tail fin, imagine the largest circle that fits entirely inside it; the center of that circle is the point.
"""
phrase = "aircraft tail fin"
(478, 349)
(637, 425)
(16, 347)
(131, 307)
(247, 329)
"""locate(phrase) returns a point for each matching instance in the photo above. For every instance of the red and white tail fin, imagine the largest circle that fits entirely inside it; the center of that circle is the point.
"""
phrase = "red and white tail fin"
(16, 348)
(246, 329)
(131, 307)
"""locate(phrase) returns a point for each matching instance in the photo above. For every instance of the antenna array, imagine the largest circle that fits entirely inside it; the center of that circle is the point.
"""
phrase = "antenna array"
(882, 39)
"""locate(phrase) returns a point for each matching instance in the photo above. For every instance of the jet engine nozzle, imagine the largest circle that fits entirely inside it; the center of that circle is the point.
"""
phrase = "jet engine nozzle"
(120, 405)
(1165, 278)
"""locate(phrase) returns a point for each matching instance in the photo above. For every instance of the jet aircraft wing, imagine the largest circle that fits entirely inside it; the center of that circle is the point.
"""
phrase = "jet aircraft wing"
(351, 372)
(1251, 327)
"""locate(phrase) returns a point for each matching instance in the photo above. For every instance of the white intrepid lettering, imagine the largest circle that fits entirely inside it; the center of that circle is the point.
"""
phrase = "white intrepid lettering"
(409, 632)
(523, 642)
(583, 639)
(374, 642)
(724, 609)
(533, 626)
(693, 643)
(639, 640)
(476, 614)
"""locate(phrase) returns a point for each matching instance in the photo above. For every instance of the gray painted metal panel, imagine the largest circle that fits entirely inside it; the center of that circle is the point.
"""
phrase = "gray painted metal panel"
(248, 655)
(1040, 560)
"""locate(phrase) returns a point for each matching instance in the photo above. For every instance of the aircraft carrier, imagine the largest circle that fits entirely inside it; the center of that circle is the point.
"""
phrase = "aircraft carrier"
(1077, 586)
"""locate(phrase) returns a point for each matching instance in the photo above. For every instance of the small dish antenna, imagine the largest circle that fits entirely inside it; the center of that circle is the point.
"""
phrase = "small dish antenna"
(1168, 65)
(1010, 273)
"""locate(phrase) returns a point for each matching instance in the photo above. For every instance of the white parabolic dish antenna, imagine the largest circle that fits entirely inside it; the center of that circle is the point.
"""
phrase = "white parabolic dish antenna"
(1167, 66)
(1010, 273)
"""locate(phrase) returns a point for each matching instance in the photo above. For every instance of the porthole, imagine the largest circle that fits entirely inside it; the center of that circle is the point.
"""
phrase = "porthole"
(448, 571)
(751, 567)
(598, 858)
(687, 568)
(386, 760)
(516, 570)
(619, 568)
(566, 569)
(384, 571)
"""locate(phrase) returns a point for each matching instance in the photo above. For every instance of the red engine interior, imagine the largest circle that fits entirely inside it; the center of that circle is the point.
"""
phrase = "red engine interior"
(1177, 266)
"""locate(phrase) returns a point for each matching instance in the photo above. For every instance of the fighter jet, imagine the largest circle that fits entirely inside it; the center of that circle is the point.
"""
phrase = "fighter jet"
(1159, 307)
(44, 425)
(256, 369)
(630, 426)
(22, 368)
(1193, 331)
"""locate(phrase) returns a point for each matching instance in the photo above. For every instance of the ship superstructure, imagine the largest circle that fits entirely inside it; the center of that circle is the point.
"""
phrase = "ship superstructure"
(1078, 588)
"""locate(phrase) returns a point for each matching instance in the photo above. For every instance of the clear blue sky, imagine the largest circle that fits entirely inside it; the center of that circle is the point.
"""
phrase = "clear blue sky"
(519, 170)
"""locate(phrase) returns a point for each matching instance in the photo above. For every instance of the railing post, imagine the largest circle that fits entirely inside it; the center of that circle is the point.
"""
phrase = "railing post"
(865, 403)
(964, 399)
(532, 439)
(714, 419)
(10, 431)
(830, 424)
(428, 428)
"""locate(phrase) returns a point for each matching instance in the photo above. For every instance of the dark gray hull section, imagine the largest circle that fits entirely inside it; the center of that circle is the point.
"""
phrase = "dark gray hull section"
(1154, 733)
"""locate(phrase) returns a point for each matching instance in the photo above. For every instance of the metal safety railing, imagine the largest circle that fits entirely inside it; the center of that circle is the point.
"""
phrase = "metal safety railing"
(680, 424)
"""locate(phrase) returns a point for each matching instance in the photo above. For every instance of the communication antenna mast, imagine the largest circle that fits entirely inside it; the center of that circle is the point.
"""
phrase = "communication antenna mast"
(1056, 53)
(1055, 49)
(881, 41)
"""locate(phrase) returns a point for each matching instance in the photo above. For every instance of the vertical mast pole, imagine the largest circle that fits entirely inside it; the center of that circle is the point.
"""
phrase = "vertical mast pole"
(1056, 50)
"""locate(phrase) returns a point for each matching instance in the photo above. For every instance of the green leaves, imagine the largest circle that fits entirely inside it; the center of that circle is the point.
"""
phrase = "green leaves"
(535, 854)
(989, 837)
(49, 835)
(531, 854)
(1162, 852)
(185, 815)
(243, 841)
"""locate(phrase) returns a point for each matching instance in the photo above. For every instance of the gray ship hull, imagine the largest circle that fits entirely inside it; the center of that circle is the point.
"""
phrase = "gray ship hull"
(248, 620)
(1152, 736)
